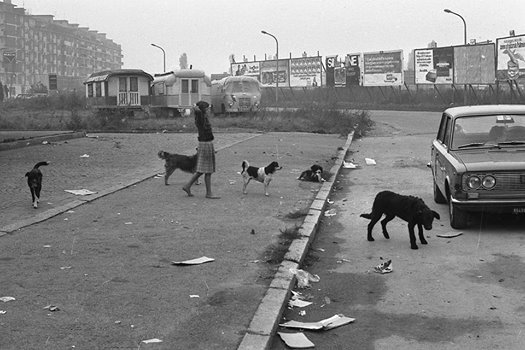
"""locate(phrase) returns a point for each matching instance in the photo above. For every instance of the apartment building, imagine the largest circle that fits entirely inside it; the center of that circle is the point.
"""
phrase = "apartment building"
(38, 50)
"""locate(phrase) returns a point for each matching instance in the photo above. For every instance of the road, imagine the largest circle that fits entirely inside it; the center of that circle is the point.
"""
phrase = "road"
(466, 292)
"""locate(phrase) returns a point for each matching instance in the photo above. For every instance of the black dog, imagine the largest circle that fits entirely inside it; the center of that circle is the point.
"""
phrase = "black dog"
(409, 208)
(177, 161)
(34, 181)
(263, 174)
(314, 174)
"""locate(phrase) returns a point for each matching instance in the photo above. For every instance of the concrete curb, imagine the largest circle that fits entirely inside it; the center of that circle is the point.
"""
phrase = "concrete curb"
(265, 321)
(4, 146)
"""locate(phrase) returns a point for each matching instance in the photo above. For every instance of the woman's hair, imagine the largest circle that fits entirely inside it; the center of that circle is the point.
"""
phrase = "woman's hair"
(202, 105)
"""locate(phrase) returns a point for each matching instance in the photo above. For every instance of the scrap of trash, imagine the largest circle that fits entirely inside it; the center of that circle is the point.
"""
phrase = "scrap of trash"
(349, 165)
(152, 341)
(370, 161)
(6, 299)
(449, 235)
(196, 261)
(296, 340)
(82, 192)
(325, 325)
(304, 278)
(330, 212)
(297, 300)
(383, 268)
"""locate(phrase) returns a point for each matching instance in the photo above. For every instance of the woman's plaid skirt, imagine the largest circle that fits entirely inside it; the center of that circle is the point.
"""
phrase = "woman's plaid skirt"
(205, 158)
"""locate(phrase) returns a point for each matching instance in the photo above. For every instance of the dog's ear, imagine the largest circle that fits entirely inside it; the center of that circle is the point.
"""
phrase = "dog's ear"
(27, 174)
(436, 215)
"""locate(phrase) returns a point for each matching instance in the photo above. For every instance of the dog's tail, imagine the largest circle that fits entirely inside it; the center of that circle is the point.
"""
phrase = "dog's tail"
(366, 216)
(245, 166)
(39, 164)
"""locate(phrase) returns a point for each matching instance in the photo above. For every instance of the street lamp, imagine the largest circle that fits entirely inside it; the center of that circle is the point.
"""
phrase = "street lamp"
(464, 24)
(277, 66)
(465, 43)
(163, 54)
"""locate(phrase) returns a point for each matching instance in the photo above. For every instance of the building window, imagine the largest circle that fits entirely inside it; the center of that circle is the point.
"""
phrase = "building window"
(185, 86)
(194, 86)
(90, 90)
(98, 89)
(133, 84)
(122, 84)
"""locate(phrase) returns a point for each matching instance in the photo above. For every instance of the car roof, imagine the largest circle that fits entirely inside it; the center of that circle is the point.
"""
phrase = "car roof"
(485, 109)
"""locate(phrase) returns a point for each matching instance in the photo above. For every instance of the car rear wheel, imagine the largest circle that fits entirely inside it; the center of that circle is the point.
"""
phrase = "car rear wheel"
(438, 196)
(458, 217)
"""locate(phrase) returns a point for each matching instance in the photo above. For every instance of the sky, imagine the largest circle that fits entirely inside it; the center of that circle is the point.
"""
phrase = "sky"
(209, 31)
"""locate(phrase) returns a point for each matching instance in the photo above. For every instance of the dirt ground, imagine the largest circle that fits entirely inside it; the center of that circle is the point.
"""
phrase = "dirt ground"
(100, 275)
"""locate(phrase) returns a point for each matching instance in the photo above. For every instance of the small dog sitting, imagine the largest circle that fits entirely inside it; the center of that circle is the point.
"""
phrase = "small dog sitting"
(262, 175)
(34, 181)
(409, 208)
(177, 161)
(314, 174)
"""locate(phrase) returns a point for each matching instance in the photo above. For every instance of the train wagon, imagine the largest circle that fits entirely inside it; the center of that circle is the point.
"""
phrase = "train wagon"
(118, 89)
(235, 94)
(179, 90)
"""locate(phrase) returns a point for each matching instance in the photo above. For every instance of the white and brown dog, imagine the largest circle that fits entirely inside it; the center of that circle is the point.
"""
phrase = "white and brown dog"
(262, 174)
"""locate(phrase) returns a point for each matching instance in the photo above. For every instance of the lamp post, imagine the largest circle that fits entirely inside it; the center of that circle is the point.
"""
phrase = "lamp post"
(464, 24)
(163, 55)
(277, 66)
(465, 99)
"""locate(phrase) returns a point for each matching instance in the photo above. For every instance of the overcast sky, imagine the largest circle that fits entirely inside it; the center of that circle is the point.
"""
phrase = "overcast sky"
(208, 31)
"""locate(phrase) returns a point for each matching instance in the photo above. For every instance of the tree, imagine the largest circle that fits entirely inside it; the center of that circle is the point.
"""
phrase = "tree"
(183, 61)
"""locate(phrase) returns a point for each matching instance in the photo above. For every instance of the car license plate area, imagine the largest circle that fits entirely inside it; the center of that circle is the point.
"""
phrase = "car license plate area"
(518, 211)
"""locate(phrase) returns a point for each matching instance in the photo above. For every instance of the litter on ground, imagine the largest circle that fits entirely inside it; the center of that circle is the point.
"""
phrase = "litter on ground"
(383, 268)
(6, 299)
(296, 340)
(151, 341)
(82, 192)
(330, 212)
(326, 324)
(370, 161)
(349, 165)
(304, 278)
(196, 261)
(449, 235)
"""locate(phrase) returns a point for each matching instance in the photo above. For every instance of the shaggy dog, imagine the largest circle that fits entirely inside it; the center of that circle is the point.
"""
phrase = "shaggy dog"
(262, 174)
(34, 181)
(314, 174)
(409, 208)
(177, 161)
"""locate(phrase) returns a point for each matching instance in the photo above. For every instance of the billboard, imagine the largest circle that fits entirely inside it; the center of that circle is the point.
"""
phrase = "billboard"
(305, 71)
(474, 64)
(434, 66)
(383, 68)
(331, 62)
(353, 70)
(269, 74)
(510, 55)
(246, 68)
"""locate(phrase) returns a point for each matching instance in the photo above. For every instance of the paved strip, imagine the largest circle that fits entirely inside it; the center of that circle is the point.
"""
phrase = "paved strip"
(265, 321)
(138, 177)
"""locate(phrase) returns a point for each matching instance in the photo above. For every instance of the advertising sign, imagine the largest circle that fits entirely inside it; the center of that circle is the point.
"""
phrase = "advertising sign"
(474, 64)
(330, 68)
(246, 68)
(383, 68)
(305, 72)
(269, 74)
(353, 71)
(434, 66)
(510, 53)
(9, 57)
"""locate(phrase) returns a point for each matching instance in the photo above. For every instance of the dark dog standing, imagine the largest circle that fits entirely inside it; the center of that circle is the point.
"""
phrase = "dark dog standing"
(177, 161)
(262, 174)
(34, 181)
(409, 208)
